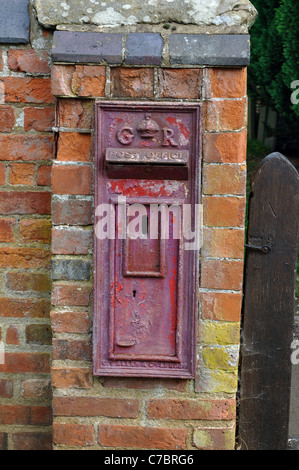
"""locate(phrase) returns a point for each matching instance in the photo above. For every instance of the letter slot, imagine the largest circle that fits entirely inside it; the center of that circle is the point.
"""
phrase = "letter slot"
(146, 266)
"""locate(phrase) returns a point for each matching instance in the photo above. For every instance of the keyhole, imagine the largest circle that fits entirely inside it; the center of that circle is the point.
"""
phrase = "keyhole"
(134, 293)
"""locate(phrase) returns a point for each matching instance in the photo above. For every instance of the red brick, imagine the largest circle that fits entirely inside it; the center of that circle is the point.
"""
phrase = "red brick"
(24, 257)
(224, 211)
(2, 173)
(39, 119)
(74, 350)
(32, 441)
(27, 281)
(37, 389)
(6, 389)
(35, 230)
(80, 80)
(3, 435)
(12, 334)
(72, 377)
(69, 179)
(27, 90)
(28, 61)
(95, 406)
(138, 437)
(25, 202)
(214, 438)
(69, 434)
(71, 294)
(226, 83)
(75, 113)
(223, 243)
(132, 82)
(15, 414)
(71, 241)
(26, 148)
(7, 118)
(191, 409)
(38, 334)
(224, 179)
(145, 383)
(43, 176)
(221, 306)
(22, 174)
(1, 60)
(227, 115)
(228, 147)
(26, 363)
(41, 415)
(70, 322)
(180, 83)
(73, 146)
(23, 308)
(6, 230)
(222, 274)
(73, 212)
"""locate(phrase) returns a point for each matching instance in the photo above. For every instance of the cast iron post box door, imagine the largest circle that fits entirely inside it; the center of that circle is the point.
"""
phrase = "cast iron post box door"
(146, 238)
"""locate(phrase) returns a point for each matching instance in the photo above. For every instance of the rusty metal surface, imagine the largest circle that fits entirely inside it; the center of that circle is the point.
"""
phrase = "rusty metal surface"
(146, 288)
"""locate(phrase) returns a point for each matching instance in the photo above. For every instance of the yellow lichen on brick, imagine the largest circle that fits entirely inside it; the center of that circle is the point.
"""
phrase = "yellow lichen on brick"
(219, 332)
(222, 357)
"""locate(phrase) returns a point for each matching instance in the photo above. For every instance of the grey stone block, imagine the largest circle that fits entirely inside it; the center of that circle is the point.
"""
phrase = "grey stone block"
(213, 50)
(66, 270)
(86, 47)
(14, 22)
(143, 49)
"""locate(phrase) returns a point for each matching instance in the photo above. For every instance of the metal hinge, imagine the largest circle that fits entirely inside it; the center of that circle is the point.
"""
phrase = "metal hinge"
(265, 249)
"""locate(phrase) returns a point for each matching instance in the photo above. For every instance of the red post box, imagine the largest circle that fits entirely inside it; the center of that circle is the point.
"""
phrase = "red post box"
(147, 185)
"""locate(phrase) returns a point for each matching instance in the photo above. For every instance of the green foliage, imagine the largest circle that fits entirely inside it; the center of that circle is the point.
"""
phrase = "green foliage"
(275, 55)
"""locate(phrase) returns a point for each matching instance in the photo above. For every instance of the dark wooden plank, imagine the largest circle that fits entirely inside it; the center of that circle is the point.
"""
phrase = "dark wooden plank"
(268, 311)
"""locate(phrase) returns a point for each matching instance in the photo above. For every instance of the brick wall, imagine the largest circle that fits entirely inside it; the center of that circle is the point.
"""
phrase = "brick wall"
(138, 413)
(27, 114)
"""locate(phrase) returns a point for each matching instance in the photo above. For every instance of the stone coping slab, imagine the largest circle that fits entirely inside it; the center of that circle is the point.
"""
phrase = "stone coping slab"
(14, 22)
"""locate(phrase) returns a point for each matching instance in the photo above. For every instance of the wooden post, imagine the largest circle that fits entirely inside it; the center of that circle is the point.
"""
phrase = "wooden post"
(269, 303)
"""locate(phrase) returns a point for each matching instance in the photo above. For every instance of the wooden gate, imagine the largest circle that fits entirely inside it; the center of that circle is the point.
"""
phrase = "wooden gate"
(269, 303)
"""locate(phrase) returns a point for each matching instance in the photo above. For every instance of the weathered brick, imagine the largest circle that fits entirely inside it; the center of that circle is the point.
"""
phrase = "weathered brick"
(216, 332)
(6, 389)
(12, 334)
(3, 435)
(145, 383)
(26, 148)
(80, 80)
(223, 243)
(37, 389)
(7, 118)
(29, 61)
(96, 406)
(38, 334)
(75, 113)
(23, 257)
(180, 83)
(43, 175)
(214, 439)
(72, 212)
(70, 269)
(229, 147)
(14, 414)
(221, 306)
(32, 441)
(35, 230)
(27, 90)
(72, 377)
(226, 115)
(222, 274)
(221, 357)
(6, 230)
(70, 294)
(39, 119)
(70, 322)
(68, 179)
(224, 179)
(191, 409)
(132, 82)
(2, 173)
(19, 308)
(138, 437)
(22, 174)
(73, 146)
(25, 202)
(74, 350)
(224, 211)
(1, 60)
(226, 83)
(41, 415)
(71, 241)
(26, 363)
(73, 434)
(216, 381)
